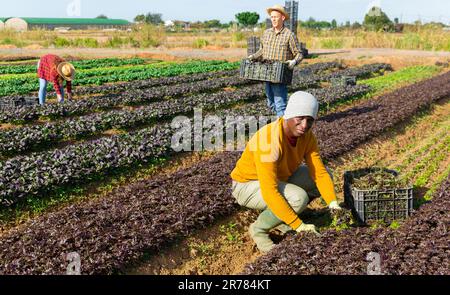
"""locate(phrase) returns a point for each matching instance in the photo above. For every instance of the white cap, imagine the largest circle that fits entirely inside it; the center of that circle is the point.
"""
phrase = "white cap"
(301, 104)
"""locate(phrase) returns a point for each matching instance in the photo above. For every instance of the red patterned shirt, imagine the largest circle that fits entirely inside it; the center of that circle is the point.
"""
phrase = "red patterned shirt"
(47, 71)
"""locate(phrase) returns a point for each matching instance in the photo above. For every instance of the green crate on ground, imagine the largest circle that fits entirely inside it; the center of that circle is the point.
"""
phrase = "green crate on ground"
(269, 71)
(387, 204)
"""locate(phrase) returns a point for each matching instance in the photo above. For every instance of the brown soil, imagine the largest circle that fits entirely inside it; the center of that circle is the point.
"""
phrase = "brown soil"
(221, 249)
(34, 47)
(7, 126)
(100, 189)
(398, 58)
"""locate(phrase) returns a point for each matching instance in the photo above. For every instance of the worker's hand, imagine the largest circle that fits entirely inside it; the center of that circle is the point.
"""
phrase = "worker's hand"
(59, 97)
(307, 228)
(334, 206)
(291, 64)
(69, 96)
(251, 57)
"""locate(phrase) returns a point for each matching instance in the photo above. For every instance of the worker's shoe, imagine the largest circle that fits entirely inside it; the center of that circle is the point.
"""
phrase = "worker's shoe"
(259, 230)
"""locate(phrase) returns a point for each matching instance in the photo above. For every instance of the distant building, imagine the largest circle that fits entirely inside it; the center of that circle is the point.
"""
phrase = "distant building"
(17, 24)
(169, 23)
(30, 23)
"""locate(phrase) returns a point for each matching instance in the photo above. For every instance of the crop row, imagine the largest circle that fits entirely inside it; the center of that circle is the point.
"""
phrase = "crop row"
(306, 77)
(144, 84)
(138, 84)
(111, 232)
(26, 84)
(43, 172)
(326, 96)
(141, 84)
(30, 180)
(420, 246)
(92, 73)
(104, 102)
(79, 65)
(25, 139)
(362, 72)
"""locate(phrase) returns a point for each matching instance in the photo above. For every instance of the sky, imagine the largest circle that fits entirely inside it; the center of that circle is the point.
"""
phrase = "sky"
(225, 10)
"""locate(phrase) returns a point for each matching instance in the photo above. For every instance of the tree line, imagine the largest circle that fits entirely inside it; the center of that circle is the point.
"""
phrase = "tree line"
(374, 20)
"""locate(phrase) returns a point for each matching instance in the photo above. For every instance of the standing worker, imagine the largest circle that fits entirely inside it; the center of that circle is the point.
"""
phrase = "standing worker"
(270, 175)
(278, 43)
(56, 70)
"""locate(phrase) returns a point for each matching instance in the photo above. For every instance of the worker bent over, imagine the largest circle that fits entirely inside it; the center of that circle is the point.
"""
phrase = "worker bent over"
(280, 44)
(270, 175)
(52, 68)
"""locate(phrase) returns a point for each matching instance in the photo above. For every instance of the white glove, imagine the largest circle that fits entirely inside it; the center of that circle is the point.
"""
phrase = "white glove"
(334, 206)
(251, 57)
(291, 64)
(307, 228)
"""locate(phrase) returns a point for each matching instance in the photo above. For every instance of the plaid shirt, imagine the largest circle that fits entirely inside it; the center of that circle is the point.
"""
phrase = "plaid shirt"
(282, 46)
(47, 71)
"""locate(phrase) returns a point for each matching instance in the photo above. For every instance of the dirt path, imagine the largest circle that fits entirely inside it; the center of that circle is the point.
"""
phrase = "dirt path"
(411, 56)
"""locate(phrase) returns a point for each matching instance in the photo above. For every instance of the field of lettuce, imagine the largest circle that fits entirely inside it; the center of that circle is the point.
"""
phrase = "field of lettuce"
(55, 159)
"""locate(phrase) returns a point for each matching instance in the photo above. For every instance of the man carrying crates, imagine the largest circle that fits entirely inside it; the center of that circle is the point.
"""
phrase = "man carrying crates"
(280, 44)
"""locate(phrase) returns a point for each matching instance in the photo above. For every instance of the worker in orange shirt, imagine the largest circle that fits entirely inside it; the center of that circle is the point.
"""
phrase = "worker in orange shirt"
(270, 175)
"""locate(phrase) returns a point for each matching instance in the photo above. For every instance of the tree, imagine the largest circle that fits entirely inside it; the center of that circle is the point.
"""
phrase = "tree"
(334, 24)
(311, 23)
(356, 26)
(247, 18)
(377, 20)
(153, 18)
(102, 16)
(139, 18)
(214, 23)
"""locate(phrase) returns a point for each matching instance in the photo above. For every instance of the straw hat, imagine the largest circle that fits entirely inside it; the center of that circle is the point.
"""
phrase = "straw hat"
(66, 71)
(278, 8)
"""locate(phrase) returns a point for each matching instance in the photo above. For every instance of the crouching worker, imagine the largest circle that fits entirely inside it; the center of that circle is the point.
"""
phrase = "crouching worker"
(270, 175)
(52, 68)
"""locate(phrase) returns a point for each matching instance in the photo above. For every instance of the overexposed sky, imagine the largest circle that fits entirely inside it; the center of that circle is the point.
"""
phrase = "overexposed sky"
(225, 10)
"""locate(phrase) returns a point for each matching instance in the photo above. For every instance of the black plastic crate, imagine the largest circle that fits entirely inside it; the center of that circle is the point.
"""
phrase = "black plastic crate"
(291, 8)
(269, 71)
(9, 103)
(253, 45)
(373, 205)
(304, 50)
(29, 101)
(269, 23)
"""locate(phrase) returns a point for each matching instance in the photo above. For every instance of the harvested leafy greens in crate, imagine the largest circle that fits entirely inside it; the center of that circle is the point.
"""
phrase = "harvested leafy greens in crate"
(377, 194)
(270, 71)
